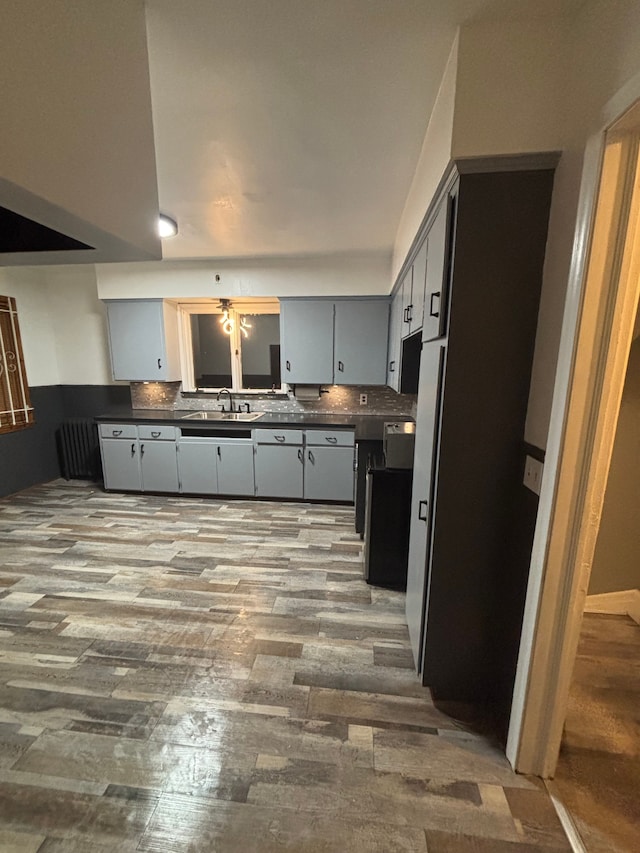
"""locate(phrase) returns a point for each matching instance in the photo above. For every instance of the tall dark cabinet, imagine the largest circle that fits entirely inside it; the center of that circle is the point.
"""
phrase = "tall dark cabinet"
(485, 240)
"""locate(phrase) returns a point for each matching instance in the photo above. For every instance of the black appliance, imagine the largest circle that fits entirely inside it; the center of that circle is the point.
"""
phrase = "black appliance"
(387, 516)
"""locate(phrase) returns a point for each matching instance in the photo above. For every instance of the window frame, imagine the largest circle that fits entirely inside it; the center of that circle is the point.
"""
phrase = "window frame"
(20, 416)
(238, 308)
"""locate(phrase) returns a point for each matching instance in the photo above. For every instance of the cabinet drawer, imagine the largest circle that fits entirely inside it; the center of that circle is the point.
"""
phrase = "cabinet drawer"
(330, 438)
(156, 432)
(278, 436)
(118, 431)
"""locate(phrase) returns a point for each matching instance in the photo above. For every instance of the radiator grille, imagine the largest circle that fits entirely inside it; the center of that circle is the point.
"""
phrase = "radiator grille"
(79, 449)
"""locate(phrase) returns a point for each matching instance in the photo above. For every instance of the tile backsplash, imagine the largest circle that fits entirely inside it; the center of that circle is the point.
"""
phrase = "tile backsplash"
(342, 399)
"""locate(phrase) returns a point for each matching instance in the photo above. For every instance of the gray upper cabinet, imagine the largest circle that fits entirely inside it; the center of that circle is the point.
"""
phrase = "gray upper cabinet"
(395, 342)
(407, 295)
(326, 341)
(143, 340)
(416, 311)
(435, 294)
(306, 341)
(361, 329)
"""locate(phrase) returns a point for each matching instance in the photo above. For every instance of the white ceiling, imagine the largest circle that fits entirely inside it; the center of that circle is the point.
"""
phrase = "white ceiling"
(293, 127)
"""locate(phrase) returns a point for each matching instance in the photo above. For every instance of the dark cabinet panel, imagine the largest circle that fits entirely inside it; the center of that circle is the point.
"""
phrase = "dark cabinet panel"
(493, 227)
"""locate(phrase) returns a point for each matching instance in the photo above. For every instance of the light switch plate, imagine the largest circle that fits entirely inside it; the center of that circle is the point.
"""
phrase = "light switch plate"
(533, 474)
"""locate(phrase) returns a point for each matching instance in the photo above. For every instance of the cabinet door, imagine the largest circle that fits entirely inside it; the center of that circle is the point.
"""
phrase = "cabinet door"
(407, 296)
(142, 349)
(361, 329)
(417, 289)
(279, 471)
(159, 465)
(121, 464)
(427, 429)
(328, 473)
(235, 468)
(306, 340)
(197, 467)
(395, 341)
(435, 294)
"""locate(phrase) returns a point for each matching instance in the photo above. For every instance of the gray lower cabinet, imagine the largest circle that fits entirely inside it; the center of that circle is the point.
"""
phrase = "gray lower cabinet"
(139, 458)
(235, 467)
(279, 470)
(159, 465)
(328, 473)
(197, 466)
(216, 466)
(121, 464)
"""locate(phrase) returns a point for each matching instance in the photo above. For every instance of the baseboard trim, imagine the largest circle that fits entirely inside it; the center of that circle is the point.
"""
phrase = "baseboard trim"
(623, 603)
(564, 815)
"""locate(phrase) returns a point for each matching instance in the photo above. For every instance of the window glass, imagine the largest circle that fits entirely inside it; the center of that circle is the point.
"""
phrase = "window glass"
(260, 343)
(211, 352)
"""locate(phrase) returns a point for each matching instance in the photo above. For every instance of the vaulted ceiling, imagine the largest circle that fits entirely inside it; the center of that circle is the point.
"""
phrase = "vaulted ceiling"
(291, 127)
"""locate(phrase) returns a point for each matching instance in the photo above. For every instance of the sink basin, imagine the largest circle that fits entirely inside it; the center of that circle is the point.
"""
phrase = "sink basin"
(242, 417)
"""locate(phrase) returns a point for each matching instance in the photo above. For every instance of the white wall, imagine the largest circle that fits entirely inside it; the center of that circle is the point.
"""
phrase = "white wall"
(434, 159)
(615, 564)
(79, 323)
(335, 275)
(509, 95)
(76, 113)
(603, 50)
(28, 286)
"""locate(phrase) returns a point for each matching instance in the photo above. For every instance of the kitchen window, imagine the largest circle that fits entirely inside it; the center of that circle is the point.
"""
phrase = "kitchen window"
(16, 411)
(231, 344)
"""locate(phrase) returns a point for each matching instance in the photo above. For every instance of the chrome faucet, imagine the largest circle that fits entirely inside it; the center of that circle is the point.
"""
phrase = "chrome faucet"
(226, 391)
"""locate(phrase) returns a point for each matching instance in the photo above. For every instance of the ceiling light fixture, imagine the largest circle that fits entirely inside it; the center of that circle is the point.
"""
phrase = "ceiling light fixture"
(167, 227)
(226, 320)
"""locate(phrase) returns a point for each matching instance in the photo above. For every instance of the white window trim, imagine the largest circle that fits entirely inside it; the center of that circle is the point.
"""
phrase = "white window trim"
(185, 310)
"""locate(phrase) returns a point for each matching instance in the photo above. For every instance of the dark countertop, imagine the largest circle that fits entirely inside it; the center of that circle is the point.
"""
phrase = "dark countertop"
(367, 427)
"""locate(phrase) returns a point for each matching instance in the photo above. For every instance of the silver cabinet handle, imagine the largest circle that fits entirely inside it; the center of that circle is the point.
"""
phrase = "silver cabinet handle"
(116, 432)
(331, 439)
(155, 434)
(424, 504)
(280, 438)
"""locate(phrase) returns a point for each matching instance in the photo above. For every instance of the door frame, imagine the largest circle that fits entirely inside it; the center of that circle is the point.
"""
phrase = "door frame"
(597, 328)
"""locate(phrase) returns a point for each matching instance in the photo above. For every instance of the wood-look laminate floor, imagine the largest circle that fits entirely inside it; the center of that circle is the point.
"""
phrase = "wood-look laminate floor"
(215, 676)
(598, 773)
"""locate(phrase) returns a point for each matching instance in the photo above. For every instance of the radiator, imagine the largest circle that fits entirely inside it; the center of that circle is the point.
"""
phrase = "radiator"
(79, 449)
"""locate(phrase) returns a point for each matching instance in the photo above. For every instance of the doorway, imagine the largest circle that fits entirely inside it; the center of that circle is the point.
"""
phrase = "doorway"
(597, 335)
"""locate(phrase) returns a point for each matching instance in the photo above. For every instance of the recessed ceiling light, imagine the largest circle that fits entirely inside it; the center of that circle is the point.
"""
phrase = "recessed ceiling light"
(167, 227)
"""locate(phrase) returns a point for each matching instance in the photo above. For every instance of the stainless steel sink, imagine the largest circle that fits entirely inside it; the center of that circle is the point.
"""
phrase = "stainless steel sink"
(242, 417)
